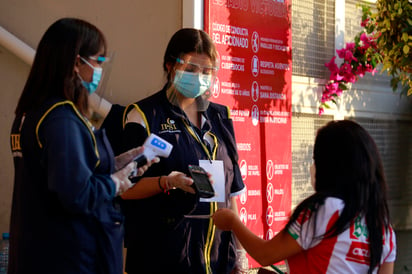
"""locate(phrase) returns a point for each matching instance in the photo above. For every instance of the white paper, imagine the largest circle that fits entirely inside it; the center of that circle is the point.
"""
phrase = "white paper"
(215, 168)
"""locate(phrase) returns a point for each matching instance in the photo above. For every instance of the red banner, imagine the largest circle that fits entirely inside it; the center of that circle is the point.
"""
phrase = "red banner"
(253, 38)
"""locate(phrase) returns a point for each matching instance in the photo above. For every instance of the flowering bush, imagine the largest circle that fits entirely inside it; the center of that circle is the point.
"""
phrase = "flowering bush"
(394, 21)
(386, 38)
(358, 57)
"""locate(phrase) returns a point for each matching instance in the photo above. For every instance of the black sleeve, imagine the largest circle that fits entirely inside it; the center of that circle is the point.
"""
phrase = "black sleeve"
(134, 135)
(113, 123)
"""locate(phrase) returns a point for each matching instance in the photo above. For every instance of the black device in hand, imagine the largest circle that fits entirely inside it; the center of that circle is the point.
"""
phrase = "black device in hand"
(201, 182)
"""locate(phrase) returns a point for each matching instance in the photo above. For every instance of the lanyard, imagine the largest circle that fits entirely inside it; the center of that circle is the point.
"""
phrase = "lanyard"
(194, 134)
(213, 205)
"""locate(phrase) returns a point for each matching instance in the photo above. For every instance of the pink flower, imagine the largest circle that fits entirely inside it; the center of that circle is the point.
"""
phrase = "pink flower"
(350, 78)
(332, 65)
(365, 39)
(350, 46)
(362, 50)
(347, 55)
(336, 77)
(321, 111)
(334, 70)
(360, 70)
(332, 87)
(370, 68)
(341, 52)
(365, 22)
(345, 68)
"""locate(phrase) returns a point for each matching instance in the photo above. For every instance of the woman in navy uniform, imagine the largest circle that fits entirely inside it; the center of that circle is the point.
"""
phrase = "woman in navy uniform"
(64, 219)
(160, 236)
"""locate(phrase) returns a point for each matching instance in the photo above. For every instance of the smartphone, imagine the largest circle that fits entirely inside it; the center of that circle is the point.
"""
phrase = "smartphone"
(201, 182)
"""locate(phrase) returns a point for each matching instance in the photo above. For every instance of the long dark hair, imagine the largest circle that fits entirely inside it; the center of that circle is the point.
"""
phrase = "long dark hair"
(188, 40)
(349, 167)
(52, 73)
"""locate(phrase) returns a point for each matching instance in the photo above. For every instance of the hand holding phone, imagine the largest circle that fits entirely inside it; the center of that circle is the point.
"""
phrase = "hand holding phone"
(201, 182)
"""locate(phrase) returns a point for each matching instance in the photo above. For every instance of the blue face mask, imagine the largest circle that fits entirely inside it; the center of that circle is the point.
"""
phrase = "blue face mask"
(97, 75)
(191, 85)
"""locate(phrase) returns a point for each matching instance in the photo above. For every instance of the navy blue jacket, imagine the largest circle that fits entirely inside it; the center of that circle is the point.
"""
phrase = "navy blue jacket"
(63, 218)
(158, 238)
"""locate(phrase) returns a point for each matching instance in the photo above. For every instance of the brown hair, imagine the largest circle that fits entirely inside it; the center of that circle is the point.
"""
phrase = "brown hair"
(188, 40)
(52, 73)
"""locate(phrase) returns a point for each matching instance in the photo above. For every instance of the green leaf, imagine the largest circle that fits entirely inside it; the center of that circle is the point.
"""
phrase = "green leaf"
(405, 37)
(386, 66)
(343, 86)
(409, 91)
(406, 49)
(326, 105)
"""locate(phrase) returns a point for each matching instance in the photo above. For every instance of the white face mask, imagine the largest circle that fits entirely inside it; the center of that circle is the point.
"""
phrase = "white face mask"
(191, 85)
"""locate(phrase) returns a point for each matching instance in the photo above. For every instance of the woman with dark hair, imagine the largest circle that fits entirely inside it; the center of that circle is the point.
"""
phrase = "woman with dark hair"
(64, 218)
(344, 227)
(168, 228)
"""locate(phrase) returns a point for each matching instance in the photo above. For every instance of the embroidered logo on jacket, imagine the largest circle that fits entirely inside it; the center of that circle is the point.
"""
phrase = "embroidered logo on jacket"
(15, 140)
(169, 126)
(15, 145)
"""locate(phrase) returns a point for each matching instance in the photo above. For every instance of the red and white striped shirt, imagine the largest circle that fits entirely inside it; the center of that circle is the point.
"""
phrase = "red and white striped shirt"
(347, 252)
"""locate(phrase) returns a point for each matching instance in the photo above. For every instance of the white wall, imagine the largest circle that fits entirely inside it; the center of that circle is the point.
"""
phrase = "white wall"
(370, 97)
(137, 30)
